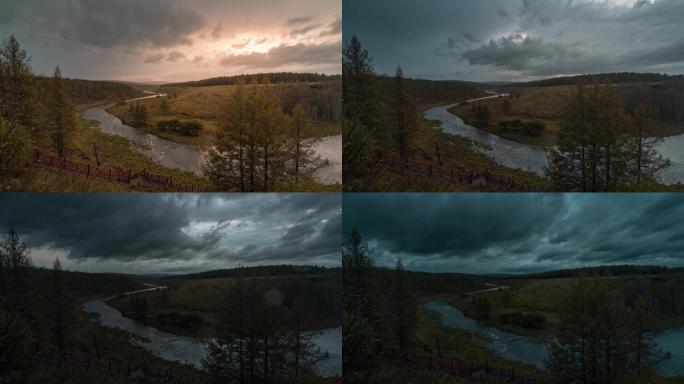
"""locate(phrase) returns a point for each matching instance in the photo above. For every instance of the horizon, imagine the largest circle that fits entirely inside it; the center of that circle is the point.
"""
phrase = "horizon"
(175, 40)
(490, 40)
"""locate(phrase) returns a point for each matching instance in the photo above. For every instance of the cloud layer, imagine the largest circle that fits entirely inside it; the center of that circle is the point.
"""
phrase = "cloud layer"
(159, 40)
(176, 233)
(519, 39)
(510, 233)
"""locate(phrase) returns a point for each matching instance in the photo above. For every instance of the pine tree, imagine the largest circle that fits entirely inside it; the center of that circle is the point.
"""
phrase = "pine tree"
(404, 119)
(405, 309)
(17, 94)
(62, 307)
(59, 114)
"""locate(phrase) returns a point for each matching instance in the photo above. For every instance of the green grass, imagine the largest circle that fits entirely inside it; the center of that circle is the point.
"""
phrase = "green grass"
(544, 296)
(455, 151)
(203, 104)
(205, 297)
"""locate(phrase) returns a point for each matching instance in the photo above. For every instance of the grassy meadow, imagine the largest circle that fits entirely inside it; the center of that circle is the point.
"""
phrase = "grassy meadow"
(205, 105)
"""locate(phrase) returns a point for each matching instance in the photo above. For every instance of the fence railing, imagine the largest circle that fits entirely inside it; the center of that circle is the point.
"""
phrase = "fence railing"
(452, 367)
(460, 176)
(127, 177)
(114, 368)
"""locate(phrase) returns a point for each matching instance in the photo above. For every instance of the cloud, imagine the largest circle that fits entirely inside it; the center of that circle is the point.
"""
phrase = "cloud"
(115, 23)
(519, 40)
(334, 28)
(198, 59)
(298, 20)
(195, 232)
(174, 56)
(216, 32)
(155, 59)
(518, 52)
(303, 54)
(489, 233)
(304, 30)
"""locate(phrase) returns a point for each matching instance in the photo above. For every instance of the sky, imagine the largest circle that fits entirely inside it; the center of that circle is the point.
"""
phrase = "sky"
(517, 233)
(518, 40)
(175, 40)
(175, 233)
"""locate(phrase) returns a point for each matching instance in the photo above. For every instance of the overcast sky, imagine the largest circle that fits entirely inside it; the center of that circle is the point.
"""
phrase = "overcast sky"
(513, 40)
(518, 233)
(175, 40)
(175, 233)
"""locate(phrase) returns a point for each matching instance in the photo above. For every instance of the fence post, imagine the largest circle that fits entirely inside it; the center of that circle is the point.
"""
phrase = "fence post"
(429, 170)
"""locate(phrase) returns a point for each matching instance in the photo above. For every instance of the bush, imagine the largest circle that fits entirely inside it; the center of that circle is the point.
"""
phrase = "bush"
(527, 128)
(187, 128)
(191, 321)
(527, 320)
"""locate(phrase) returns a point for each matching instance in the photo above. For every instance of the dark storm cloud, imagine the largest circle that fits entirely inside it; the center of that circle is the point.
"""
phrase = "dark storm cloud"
(195, 231)
(496, 233)
(302, 54)
(106, 24)
(518, 39)
(298, 20)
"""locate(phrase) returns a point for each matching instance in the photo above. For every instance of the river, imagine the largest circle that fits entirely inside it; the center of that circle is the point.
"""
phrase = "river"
(191, 350)
(534, 158)
(533, 351)
(191, 158)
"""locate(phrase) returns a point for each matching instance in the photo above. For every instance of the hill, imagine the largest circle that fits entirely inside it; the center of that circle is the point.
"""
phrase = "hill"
(261, 78)
(85, 92)
(603, 78)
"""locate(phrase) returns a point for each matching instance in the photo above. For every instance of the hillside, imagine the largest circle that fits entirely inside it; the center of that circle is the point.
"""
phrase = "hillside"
(88, 92)
(603, 78)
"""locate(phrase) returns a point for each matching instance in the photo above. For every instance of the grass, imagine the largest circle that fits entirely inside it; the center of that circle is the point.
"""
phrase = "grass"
(114, 151)
(538, 103)
(204, 104)
(205, 297)
(543, 296)
(455, 151)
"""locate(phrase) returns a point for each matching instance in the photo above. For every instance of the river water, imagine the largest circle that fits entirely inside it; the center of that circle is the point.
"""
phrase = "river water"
(534, 158)
(192, 158)
(191, 350)
(533, 351)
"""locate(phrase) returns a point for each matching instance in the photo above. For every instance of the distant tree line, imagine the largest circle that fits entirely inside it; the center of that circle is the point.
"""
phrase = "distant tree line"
(606, 270)
(90, 91)
(605, 78)
(261, 270)
(261, 78)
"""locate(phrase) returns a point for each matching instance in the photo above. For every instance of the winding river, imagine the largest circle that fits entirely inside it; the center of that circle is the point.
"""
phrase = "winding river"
(191, 350)
(534, 351)
(534, 158)
(191, 158)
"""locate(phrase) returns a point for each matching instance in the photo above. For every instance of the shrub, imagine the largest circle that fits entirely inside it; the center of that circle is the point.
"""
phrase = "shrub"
(187, 128)
(527, 128)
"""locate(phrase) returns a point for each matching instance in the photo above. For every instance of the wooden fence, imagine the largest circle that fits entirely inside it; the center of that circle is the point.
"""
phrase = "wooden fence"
(126, 177)
(452, 367)
(391, 161)
(112, 367)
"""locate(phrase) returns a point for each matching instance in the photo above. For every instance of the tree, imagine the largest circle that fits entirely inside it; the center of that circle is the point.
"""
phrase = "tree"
(15, 147)
(404, 119)
(360, 318)
(299, 124)
(361, 110)
(17, 95)
(61, 305)
(595, 151)
(405, 309)
(140, 114)
(593, 343)
(506, 298)
(140, 307)
(483, 114)
(645, 352)
(59, 113)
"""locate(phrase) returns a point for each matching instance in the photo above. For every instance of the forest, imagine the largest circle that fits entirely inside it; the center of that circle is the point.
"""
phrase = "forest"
(258, 328)
(598, 327)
